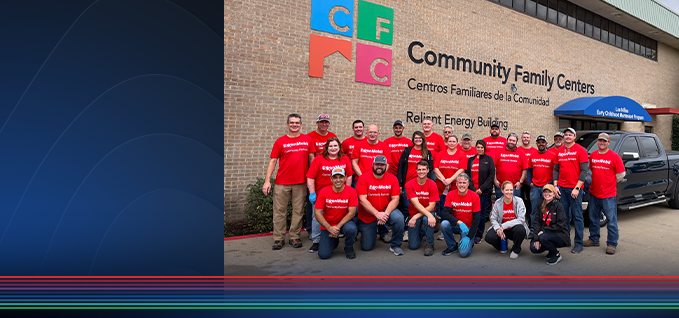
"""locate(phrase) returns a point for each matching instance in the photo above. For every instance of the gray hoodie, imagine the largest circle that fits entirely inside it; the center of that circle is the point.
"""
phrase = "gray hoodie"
(519, 210)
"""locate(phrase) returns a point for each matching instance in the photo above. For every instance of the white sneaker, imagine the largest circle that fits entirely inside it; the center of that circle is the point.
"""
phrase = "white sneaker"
(396, 250)
(513, 255)
(440, 237)
(405, 236)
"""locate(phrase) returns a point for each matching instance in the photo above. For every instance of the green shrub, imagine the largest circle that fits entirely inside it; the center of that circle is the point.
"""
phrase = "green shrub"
(675, 132)
(259, 208)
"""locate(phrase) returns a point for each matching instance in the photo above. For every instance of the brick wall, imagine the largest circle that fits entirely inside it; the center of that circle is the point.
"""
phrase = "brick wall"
(266, 51)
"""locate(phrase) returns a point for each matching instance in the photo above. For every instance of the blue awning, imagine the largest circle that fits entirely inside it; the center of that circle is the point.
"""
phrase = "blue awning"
(616, 107)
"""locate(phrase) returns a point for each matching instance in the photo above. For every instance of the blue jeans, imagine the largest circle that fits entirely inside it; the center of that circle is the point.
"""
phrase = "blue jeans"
(405, 203)
(485, 205)
(369, 231)
(315, 230)
(328, 244)
(536, 203)
(416, 233)
(575, 214)
(309, 214)
(448, 231)
(499, 194)
(610, 210)
(440, 205)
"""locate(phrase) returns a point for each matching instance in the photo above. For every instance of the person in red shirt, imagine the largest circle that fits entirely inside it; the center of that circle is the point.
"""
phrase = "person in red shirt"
(365, 151)
(527, 151)
(551, 230)
(540, 173)
(295, 151)
(319, 136)
(378, 194)
(448, 164)
(335, 209)
(495, 142)
(460, 216)
(435, 142)
(481, 169)
(510, 165)
(407, 168)
(467, 148)
(570, 171)
(558, 142)
(397, 143)
(607, 170)
(349, 143)
(318, 178)
(508, 220)
(423, 196)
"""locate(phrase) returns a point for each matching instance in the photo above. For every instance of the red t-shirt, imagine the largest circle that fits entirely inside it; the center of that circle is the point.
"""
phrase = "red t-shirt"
(396, 147)
(425, 194)
(366, 153)
(463, 206)
(495, 144)
(475, 172)
(543, 167)
(294, 158)
(321, 168)
(527, 153)
(435, 143)
(569, 160)
(604, 167)
(379, 192)
(349, 143)
(509, 165)
(508, 212)
(449, 164)
(335, 205)
(554, 150)
(319, 141)
(469, 153)
(414, 157)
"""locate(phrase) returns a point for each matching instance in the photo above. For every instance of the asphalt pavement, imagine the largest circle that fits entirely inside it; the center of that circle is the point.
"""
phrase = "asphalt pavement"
(648, 246)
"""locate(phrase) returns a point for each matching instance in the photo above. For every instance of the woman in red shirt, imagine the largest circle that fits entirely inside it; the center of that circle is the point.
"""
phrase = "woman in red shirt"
(481, 169)
(407, 170)
(318, 177)
(551, 227)
(508, 221)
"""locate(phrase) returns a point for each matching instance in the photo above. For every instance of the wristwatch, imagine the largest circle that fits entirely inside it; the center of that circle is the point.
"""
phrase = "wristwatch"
(577, 188)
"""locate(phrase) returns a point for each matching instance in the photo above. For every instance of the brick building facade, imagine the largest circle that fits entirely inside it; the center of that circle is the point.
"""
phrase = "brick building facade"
(266, 76)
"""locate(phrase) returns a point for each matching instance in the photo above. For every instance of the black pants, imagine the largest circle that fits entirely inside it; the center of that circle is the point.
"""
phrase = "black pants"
(525, 196)
(516, 234)
(549, 241)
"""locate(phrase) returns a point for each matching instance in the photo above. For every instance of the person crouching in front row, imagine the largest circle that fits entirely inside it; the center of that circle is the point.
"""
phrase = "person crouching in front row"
(508, 221)
(551, 227)
(461, 215)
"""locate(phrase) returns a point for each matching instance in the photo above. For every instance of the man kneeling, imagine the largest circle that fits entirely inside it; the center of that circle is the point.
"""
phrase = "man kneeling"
(335, 207)
(423, 195)
(461, 215)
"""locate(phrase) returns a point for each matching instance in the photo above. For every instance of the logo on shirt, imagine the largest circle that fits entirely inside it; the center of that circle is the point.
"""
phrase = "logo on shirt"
(330, 168)
(379, 187)
(461, 204)
(377, 151)
(494, 143)
(509, 155)
(422, 193)
(299, 143)
(375, 24)
(398, 145)
(449, 161)
(608, 162)
(538, 160)
(335, 201)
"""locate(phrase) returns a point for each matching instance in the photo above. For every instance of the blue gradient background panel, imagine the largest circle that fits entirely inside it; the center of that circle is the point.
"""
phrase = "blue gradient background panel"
(111, 137)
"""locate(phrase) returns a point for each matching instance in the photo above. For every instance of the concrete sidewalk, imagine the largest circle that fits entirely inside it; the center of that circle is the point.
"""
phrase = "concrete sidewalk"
(648, 246)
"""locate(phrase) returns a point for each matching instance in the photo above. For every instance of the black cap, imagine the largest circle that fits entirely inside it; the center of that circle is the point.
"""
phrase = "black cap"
(494, 125)
(541, 137)
(398, 122)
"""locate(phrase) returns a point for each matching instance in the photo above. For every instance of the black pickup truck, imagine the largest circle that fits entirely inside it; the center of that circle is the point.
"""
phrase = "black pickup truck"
(651, 171)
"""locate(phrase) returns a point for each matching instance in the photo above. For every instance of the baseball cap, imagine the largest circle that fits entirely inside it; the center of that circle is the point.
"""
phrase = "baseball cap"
(604, 136)
(549, 187)
(571, 130)
(541, 137)
(558, 133)
(380, 159)
(339, 171)
(322, 117)
(467, 136)
(398, 122)
(494, 125)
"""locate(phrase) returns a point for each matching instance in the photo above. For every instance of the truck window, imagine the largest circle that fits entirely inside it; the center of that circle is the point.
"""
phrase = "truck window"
(650, 147)
(629, 145)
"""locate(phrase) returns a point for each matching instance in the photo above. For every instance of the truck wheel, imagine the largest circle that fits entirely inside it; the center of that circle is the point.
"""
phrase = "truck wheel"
(602, 218)
(674, 202)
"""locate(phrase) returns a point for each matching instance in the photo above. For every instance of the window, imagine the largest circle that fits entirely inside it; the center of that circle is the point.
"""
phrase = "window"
(612, 27)
(588, 24)
(625, 39)
(542, 9)
(530, 7)
(562, 19)
(506, 2)
(642, 46)
(552, 12)
(648, 129)
(604, 30)
(580, 24)
(597, 27)
(650, 147)
(629, 145)
(618, 35)
(564, 123)
(519, 5)
(571, 16)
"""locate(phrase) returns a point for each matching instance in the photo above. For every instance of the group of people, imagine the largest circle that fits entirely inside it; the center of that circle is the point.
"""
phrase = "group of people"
(403, 189)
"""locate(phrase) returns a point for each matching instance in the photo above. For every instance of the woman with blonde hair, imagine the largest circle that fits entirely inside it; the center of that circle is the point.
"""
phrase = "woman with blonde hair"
(508, 220)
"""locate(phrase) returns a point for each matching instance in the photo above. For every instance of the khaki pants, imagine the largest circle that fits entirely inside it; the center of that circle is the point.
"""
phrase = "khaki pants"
(281, 195)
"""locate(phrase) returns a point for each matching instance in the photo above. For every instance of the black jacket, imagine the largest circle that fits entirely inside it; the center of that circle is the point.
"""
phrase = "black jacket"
(403, 167)
(447, 215)
(486, 174)
(559, 223)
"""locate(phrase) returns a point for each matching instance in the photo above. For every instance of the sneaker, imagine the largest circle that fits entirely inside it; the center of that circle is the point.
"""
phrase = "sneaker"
(405, 236)
(440, 237)
(513, 255)
(349, 251)
(530, 236)
(277, 245)
(577, 249)
(477, 240)
(386, 238)
(588, 243)
(450, 251)
(341, 235)
(610, 250)
(296, 243)
(429, 250)
(554, 259)
(314, 248)
(397, 250)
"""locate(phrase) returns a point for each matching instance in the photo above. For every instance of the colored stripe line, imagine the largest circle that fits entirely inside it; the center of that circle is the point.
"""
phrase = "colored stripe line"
(329, 308)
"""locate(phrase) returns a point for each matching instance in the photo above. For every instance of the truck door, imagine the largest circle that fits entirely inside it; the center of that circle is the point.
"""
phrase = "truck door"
(656, 164)
(636, 180)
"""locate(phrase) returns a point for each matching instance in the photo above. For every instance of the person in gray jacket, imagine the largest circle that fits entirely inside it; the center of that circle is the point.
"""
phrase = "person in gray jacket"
(508, 221)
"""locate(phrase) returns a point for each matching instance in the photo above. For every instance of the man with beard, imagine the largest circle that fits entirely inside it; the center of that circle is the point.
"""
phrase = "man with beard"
(541, 172)
(396, 145)
(435, 142)
(335, 209)
(495, 142)
(364, 152)
(467, 150)
(510, 165)
(527, 151)
(570, 171)
(378, 194)
(558, 142)
(349, 143)
(461, 215)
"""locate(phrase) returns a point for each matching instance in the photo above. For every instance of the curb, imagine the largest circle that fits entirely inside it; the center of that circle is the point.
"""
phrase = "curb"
(231, 238)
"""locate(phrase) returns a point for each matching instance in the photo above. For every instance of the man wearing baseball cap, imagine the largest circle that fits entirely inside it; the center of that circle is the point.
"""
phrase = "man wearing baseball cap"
(378, 195)
(558, 142)
(607, 170)
(495, 142)
(335, 209)
(467, 150)
(396, 145)
(320, 136)
(540, 173)
(570, 171)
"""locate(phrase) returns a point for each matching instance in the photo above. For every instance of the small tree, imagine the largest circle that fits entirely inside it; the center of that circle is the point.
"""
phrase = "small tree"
(259, 208)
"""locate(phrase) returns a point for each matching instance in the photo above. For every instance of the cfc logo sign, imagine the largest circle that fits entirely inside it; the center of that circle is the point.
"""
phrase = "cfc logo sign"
(375, 24)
